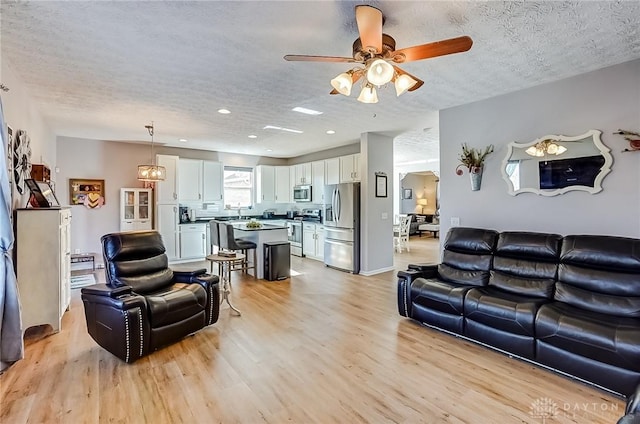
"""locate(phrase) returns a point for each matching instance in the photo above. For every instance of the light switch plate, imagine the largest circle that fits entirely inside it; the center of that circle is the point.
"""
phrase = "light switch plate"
(455, 221)
(384, 215)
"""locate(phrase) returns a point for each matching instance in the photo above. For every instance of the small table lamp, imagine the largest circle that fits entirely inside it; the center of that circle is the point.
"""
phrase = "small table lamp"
(422, 202)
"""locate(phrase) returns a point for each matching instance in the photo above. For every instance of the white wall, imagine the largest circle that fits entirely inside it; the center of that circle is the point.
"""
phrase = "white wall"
(21, 113)
(607, 99)
(376, 155)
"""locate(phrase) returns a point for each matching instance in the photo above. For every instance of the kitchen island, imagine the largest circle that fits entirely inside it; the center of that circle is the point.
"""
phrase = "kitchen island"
(265, 234)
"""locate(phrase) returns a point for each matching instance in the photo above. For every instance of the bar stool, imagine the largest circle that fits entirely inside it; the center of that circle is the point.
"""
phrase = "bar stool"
(228, 241)
(214, 235)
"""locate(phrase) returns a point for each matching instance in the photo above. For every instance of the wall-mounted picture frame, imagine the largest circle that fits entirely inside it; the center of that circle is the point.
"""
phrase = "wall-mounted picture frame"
(381, 185)
(407, 193)
(86, 192)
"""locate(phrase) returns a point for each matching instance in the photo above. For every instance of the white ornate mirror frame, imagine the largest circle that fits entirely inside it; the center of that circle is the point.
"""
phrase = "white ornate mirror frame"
(585, 145)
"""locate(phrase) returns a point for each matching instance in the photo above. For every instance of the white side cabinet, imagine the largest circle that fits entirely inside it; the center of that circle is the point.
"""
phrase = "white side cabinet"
(273, 184)
(317, 181)
(212, 181)
(135, 209)
(301, 174)
(189, 180)
(167, 226)
(313, 241)
(167, 190)
(332, 171)
(43, 265)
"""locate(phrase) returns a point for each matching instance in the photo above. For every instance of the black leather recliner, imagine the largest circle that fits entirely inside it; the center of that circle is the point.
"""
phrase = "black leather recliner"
(145, 305)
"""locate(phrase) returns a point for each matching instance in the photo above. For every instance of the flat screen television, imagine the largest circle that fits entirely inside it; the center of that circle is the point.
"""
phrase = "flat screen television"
(570, 172)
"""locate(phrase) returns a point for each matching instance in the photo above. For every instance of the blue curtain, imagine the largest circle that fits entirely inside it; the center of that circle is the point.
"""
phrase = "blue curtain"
(11, 345)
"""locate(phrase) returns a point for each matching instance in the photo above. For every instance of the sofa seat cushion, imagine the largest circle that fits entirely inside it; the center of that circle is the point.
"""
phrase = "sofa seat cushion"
(601, 337)
(175, 303)
(510, 312)
(439, 295)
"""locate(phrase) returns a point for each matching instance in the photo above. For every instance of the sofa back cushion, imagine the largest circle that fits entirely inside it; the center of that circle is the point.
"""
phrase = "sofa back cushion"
(526, 263)
(467, 257)
(136, 259)
(601, 274)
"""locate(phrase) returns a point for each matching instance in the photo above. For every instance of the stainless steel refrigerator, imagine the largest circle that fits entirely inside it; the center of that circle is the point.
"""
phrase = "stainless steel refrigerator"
(342, 227)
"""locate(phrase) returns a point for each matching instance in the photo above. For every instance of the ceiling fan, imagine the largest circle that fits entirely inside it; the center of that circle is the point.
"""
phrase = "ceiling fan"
(378, 55)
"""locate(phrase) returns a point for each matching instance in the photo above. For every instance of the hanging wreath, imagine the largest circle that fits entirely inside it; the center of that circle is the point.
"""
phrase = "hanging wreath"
(21, 160)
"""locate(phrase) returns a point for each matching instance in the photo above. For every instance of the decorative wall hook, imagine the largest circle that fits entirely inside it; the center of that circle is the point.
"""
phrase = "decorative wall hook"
(4, 88)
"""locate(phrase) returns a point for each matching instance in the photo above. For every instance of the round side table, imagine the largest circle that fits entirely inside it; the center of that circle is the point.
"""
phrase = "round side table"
(224, 268)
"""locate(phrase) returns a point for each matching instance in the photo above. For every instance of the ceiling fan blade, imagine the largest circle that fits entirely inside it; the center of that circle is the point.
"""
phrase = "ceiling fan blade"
(354, 78)
(403, 72)
(369, 21)
(438, 48)
(306, 58)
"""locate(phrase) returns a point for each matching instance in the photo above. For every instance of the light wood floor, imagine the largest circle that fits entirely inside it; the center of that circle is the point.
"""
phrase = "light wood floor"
(321, 347)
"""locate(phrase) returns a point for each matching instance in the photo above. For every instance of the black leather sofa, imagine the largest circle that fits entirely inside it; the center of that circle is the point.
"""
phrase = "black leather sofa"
(569, 303)
(145, 305)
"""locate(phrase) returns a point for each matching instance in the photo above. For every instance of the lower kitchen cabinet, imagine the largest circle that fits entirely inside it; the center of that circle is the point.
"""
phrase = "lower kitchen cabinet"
(313, 241)
(193, 241)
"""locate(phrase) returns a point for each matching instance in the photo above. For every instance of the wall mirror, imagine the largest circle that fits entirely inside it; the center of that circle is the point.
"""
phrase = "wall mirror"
(556, 164)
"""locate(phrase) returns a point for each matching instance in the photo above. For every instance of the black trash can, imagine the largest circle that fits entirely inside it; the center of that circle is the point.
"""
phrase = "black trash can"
(277, 260)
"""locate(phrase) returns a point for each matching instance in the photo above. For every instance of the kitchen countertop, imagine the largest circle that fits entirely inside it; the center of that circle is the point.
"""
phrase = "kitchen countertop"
(231, 219)
(265, 227)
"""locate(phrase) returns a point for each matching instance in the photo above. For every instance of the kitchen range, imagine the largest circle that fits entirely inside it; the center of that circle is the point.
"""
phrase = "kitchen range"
(295, 228)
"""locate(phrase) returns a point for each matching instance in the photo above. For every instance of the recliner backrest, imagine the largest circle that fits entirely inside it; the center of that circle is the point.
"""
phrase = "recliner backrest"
(601, 274)
(136, 259)
(467, 256)
(526, 263)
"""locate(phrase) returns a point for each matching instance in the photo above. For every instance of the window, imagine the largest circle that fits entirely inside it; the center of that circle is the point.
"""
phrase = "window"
(238, 186)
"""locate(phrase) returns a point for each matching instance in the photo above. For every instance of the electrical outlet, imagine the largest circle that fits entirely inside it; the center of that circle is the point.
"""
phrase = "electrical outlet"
(455, 221)
(384, 215)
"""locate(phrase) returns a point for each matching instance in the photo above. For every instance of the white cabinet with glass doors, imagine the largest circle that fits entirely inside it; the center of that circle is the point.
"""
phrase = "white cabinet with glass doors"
(135, 209)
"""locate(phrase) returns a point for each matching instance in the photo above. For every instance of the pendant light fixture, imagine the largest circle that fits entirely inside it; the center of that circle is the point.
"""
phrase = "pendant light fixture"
(151, 172)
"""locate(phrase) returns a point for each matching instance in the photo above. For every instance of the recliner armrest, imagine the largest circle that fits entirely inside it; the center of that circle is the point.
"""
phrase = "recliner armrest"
(185, 276)
(105, 290)
(425, 268)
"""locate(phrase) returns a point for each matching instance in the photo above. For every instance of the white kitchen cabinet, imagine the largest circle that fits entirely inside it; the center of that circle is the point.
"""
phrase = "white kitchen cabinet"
(350, 168)
(189, 180)
(313, 240)
(332, 171)
(317, 181)
(273, 184)
(301, 174)
(135, 209)
(167, 190)
(167, 226)
(265, 184)
(212, 181)
(283, 189)
(193, 241)
(43, 265)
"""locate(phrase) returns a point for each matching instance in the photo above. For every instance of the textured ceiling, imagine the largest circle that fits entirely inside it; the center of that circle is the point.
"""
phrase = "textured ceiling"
(102, 70)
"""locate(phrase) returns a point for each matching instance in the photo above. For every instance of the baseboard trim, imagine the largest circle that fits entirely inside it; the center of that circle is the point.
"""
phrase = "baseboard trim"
(376, 271)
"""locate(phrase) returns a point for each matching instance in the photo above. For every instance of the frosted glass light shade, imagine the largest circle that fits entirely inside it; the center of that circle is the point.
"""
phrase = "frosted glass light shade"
(342, 83)
(403, 83)
(151, 173)
(368, 95)
(380, 72)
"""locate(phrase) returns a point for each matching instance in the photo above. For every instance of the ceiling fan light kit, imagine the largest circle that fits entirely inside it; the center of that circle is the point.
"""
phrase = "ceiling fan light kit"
(377, 53)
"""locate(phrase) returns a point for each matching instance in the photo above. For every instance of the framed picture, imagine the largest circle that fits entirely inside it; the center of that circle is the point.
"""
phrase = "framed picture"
(86, 192)
(407, 193)
(381, 185)
(42, 195)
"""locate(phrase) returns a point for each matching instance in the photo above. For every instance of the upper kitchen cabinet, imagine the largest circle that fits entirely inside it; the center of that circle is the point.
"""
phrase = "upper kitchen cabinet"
(350, 168)
(167, 190)
(317, 181)
(190, 180)
(199, 180)
(212, 181)
(273, 184)
(301, 174)
(332, 171)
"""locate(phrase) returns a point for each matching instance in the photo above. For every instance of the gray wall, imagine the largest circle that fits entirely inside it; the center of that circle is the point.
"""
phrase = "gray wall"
(422, 186)
(376, 155)
(607, 99)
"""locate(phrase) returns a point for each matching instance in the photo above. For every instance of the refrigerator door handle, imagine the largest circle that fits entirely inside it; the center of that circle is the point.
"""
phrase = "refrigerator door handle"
(333, 205)
(339, 204)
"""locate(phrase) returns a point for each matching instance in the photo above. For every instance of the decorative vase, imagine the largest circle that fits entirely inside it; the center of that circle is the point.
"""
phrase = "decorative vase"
(476, 177)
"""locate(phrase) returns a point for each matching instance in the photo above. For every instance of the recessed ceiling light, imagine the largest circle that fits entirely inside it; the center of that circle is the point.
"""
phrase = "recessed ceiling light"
(273, 127)
(331, 132)
(269, 150)
(306, 111)
(183, 140)
(224, 111)
(253, 136)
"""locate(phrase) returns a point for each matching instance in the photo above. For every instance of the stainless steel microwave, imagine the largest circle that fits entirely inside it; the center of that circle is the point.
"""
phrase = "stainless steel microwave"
(302, 193)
